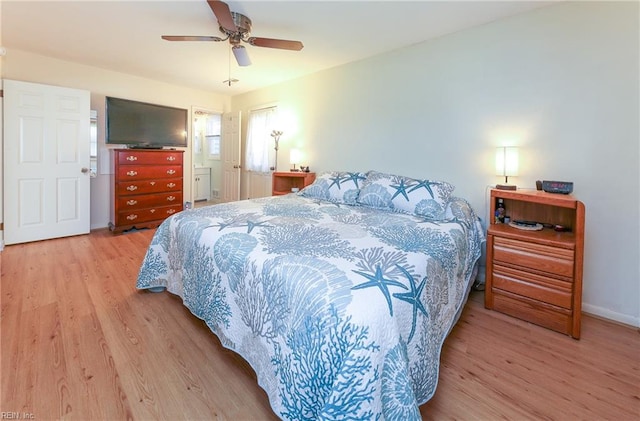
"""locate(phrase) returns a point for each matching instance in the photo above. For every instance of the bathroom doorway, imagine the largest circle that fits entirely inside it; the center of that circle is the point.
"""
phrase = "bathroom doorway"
(206, 148)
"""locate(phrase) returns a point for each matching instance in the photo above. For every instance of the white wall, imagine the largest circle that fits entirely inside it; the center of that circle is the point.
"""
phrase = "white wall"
(24, 66)
(560, 82)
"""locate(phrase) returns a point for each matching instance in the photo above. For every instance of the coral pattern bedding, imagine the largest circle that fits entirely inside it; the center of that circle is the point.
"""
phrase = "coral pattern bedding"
(341, 309)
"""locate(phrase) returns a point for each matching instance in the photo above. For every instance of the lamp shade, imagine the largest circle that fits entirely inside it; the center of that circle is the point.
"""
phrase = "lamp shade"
(295, 156)
(507, 161)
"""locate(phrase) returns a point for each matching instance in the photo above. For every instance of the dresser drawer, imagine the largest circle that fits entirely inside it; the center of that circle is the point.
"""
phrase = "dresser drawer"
(549, 290)
(149, 171)
(149, 186)
(127, 203)
(145, 215)
(553, 260)
(149, 158)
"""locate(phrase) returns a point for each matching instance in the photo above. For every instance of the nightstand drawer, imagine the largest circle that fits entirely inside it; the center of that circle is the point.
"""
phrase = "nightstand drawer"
(549, 290)
(554, 260)
(555, 318)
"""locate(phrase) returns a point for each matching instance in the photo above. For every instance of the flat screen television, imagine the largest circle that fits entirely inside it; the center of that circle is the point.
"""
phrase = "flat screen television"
(143, 125)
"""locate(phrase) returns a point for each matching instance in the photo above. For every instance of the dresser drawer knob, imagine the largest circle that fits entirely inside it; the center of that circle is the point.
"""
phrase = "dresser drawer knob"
(171, 172)
(153, 183)
(132, 217)
(171, 198)
(132, 188)
(132, 158)
(152, 211)
(132, 173)
(170, 211)
(131, 202)
(170, 185)
(171, 158)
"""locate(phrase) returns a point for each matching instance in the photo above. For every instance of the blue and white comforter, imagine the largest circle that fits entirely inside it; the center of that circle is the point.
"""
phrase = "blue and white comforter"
(341, 310)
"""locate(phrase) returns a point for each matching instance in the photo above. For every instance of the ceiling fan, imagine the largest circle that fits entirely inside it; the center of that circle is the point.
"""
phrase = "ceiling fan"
(236, 27)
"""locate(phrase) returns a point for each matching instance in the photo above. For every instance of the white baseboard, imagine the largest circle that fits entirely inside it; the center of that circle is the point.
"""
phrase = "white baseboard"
(611, 315)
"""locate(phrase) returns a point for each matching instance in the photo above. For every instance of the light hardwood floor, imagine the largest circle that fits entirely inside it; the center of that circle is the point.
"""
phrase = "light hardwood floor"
(80, 343)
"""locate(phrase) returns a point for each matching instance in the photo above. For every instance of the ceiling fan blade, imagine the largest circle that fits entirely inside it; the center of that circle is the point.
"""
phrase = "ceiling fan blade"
(275, 43)
(221, 10)
(190, 38)
(241, 55)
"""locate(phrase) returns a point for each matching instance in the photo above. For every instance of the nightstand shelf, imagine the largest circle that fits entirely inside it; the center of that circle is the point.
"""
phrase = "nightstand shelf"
(284, 181)
(537, 275)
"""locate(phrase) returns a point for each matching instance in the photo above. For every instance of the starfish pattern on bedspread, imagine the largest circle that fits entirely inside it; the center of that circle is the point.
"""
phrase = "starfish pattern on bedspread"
(401, 188)
(378, 280)
(355, 176)
(412, 297)
(423, 183)
(251, 225)
(335, 181)
(241, 221)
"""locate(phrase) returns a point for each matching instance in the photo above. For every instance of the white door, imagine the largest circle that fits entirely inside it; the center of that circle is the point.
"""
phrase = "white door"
(46, 162)
(231, 156)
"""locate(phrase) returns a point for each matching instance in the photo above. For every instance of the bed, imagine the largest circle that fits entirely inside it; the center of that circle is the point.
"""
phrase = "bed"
(339, 296)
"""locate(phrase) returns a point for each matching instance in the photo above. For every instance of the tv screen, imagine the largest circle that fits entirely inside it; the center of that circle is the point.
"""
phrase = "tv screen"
(143, 125)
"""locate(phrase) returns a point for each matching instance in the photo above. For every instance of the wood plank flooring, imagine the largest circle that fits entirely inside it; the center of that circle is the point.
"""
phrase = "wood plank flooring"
(79, 342)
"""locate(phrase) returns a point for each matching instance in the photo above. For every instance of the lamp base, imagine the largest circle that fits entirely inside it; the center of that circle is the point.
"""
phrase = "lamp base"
(506, 187)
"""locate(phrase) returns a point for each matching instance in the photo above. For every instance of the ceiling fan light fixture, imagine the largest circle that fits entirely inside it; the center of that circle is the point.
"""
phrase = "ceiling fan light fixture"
(241, 55)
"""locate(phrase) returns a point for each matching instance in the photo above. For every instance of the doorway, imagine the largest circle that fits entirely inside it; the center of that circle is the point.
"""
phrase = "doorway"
(206, 150)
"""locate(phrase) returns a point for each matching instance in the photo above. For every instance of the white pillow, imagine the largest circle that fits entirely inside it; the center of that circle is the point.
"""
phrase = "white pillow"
(336, 186)
(404, 194)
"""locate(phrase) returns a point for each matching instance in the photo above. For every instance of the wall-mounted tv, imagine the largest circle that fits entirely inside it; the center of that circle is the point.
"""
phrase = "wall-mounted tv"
(142, 125)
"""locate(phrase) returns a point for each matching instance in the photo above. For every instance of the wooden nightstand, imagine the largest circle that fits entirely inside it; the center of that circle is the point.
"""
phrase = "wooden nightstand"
(284, 181)
(537, 275)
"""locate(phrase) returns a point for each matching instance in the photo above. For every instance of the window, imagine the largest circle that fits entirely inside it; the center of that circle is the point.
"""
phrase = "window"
(207, 127)
(212, 135)
(261, 124)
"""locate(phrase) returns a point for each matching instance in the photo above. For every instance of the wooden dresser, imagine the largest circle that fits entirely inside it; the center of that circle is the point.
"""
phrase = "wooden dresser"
(146, 187)
(537, 275)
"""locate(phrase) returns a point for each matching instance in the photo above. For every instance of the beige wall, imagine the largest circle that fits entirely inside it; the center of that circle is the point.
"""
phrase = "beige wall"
(560, 82)
(24, 66)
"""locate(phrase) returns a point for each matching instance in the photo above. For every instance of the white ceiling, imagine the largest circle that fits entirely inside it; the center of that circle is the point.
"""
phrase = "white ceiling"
(125, 35)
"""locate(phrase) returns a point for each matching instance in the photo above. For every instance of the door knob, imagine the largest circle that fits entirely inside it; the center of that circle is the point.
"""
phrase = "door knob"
(84, 170)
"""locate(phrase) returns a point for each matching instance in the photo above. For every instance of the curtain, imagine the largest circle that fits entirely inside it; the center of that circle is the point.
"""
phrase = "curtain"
(259, 140)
